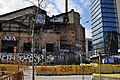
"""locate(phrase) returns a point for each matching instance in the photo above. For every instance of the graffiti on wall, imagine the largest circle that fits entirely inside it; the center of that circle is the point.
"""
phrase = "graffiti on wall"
(28, 57)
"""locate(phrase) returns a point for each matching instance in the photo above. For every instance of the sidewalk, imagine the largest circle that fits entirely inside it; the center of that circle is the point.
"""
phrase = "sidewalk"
(28, 74)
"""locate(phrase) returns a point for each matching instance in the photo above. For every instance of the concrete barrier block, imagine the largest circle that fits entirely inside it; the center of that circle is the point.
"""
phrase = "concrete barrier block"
(105, 68)
(66, 69)
(45, 70)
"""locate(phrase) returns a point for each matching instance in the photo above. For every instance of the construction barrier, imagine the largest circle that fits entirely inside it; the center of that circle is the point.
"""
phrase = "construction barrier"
(65, 69)
(116, 68)
(15, 76)
(9, 68)
(105, 68)
(85, 69)
(105, 77)
(45, 70)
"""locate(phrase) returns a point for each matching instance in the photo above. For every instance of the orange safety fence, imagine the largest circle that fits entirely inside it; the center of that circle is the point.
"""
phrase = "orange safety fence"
(15, 76)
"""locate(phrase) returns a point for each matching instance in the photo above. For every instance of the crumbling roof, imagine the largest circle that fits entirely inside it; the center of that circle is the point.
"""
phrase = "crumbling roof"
(21, 12)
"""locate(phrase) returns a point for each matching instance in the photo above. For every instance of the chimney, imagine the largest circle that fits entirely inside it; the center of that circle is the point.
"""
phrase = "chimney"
(66, 6)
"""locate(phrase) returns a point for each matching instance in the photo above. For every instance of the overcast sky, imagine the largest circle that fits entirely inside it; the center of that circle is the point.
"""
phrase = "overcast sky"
(53, 7)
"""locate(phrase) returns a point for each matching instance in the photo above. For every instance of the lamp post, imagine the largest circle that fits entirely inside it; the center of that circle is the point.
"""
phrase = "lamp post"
(33, 77)
(81, 62)
(81, 66)
(33, 26)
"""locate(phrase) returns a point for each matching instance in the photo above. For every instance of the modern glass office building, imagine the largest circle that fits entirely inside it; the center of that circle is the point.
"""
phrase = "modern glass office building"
(104, 26)
(118, 16)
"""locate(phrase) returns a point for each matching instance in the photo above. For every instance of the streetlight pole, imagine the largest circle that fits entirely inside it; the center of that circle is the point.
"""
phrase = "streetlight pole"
(33, 26)
(33, 77)
(81, 66)
(81, 62)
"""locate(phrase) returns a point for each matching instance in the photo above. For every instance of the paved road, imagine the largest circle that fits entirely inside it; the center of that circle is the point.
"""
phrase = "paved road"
(72, 77)
(28, 76)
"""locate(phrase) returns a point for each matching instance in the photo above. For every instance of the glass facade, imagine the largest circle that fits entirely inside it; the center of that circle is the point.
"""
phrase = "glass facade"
(104, 26)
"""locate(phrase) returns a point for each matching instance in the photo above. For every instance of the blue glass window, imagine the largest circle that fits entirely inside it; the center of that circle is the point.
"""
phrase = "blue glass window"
(109, 24)
(109, 19)
(110, 29)
(108, 1)
(108, 10)
(109, 14)
(107, 5)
